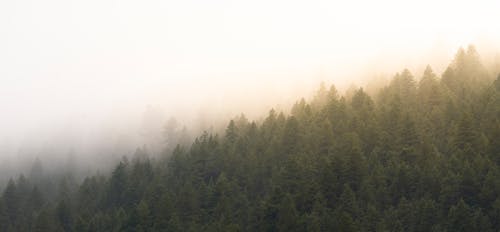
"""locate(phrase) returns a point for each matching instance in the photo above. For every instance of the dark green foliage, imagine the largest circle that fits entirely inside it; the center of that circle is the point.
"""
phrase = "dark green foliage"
(419, 156)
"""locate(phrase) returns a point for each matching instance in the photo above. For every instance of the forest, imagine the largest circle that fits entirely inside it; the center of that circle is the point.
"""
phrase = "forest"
(419, 154)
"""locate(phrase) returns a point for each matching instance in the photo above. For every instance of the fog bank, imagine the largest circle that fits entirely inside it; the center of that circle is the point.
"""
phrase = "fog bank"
(91, 81)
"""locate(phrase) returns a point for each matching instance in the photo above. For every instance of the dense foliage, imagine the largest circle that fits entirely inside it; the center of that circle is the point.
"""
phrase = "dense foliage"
(418, 156)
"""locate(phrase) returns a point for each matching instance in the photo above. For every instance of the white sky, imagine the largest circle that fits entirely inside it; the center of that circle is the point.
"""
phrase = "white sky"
(63, 59)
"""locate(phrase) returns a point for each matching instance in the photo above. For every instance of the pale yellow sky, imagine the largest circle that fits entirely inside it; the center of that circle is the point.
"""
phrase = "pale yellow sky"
(72, 60)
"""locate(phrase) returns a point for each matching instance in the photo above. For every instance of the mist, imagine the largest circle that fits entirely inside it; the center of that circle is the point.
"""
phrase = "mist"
(89, 82)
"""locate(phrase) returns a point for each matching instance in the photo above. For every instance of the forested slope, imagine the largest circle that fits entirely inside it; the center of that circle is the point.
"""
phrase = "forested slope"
(423, 154)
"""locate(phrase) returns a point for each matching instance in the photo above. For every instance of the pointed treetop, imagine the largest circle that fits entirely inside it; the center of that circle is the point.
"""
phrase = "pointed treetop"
(406, 72)
(428, 77)
(428, 71)
(460, 53)
(471, 50)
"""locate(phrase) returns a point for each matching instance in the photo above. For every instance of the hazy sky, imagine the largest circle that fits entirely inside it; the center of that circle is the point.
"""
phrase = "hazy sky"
(67, 61)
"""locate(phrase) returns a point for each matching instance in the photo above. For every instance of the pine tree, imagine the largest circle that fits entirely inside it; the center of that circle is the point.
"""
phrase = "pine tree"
(287, 217)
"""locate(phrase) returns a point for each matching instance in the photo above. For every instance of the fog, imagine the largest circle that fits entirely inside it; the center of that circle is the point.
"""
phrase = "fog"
(90, 81)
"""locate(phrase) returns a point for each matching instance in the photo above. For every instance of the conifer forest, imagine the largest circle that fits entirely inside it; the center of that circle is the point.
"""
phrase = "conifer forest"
(421, 153)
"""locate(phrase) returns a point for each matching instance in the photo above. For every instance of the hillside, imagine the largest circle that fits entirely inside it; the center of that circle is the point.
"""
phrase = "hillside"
(422, 154)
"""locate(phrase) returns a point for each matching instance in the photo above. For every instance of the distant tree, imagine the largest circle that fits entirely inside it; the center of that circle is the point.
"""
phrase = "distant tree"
(117, 186)
(291, 136)
(64, 215)
(461, 218)
(10, 199)
(287, 217)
